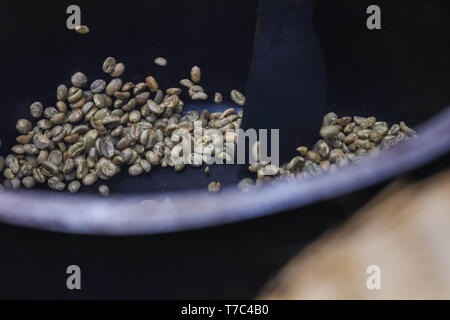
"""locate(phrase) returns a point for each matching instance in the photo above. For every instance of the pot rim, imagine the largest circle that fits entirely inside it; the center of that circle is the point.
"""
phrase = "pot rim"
(126, 215)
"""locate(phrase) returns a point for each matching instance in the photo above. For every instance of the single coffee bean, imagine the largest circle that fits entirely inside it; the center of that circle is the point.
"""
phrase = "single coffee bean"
(119, 69)
(79, 80)
(313, 156)
(36, 109)
(103, 190)
(218, 97)
(28, 182)
(109, 64)
(24, 126)
(62, 92)
(152, 84)
(199, 96)
(362, 122)
(237, 97)
(135, 170)
(214, 187)
(330, 131)
(139, 88)
(128, 86)
(55, 184)
(113, 86)
(160, 61)
(90, 179)
(74, 187)
(159, 96)
(98, 86)
(196, 74)
(122, 95)
(186, 83)
(75, 95)
(82, 29)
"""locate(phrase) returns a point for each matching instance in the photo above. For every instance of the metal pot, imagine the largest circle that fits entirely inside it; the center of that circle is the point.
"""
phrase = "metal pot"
(385, 73)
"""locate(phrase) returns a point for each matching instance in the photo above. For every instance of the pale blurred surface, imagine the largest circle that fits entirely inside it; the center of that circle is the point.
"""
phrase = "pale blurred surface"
(405, 231)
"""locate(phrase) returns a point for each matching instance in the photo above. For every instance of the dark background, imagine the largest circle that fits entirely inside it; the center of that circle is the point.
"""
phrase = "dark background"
(398, 73)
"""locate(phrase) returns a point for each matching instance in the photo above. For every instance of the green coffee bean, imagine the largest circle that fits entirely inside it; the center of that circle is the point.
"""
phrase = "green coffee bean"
(36, 109)
(103, 190)
(79, 80)
(74, 187)
(214, 187)
(196, 74)
(238, 97)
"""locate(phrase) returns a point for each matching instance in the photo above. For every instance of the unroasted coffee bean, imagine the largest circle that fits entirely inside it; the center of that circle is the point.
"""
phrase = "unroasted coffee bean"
(410, 132)
(313, 156)
(269, 170)
(128, 86)
(98, 86)
(90, 179)
(75, 116)
(61, 106)
(82, 29)
(76, 149)
(74, 186)
(50, 168)
(58, 118)
(186, 83)
(152, 84)
(135, 116)
(159, 96)
(75, 95)
(109, 64)
(139, 88)
(36, 109)
(218, 97)
(24, 126)
(329, 131)
(237, 97)
(103, 190)
(113, 86)
(160, 61)
(296, 163)
(41, 141)
(146, 166)
(28, 182)
(62, 92)
(214, 187)
(135, 170)
(196, 74)
(119, 69)
(55, 184)
(24, 139)
(142, 98)
(363, 123)
(79, 80)
(199, 96)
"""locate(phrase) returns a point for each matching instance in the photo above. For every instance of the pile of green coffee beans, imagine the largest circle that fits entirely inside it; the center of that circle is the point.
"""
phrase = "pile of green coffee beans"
(344, 140)
(94, 131)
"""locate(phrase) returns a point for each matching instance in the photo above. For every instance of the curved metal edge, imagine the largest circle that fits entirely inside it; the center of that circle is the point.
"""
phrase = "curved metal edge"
(189, 210)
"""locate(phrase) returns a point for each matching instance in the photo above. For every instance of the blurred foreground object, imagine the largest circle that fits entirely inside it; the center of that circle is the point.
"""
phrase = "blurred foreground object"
(404, 231)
